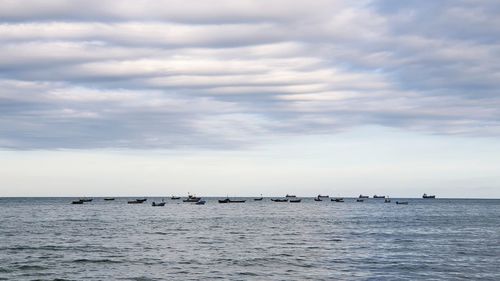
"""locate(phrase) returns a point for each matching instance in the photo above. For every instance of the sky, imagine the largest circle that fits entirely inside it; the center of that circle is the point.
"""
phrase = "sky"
(243, 97)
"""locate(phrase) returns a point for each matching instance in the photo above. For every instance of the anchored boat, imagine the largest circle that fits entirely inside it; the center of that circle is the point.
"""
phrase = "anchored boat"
(227, 200)
(192, 198)
(137, 201)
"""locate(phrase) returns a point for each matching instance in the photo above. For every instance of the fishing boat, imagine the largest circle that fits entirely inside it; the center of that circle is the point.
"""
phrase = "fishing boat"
(323, 196)
(317, 199)
(425, 196)
(363, 196)
(109, 199)
(201, 202)
(402, 202)
(159, 204)
(387, 200)
(295, 200)
(79, 202)
(175, 197)
(379, 196)
(290, 196)
(86, 199)
(137, 201)
(337, 199)
(279, 200)
(227, 200)
(360, 200)
(192, 198)
(258, 199)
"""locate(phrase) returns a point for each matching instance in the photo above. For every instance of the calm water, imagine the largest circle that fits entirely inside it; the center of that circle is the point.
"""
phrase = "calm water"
(50, 239)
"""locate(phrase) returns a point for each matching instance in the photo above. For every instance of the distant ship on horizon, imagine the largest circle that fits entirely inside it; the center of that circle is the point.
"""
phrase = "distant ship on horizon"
(425, 196)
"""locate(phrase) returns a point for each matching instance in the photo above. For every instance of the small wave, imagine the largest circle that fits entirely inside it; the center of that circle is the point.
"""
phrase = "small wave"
(95, 261)
(31, 267)
(248, 273)
(5, 270)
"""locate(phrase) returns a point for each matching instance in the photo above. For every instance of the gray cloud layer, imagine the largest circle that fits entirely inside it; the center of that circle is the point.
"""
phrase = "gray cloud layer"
(166, 74)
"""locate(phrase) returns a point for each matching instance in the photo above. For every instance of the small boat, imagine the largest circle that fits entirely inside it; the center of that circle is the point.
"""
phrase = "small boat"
(175, 197)
(290, 196)
(279, 200)
(379, 196)
(425, 196)
(363, 196)
(402, 202)
(317, 199)
(258, 199)
(201, 202)
(79, 202)
(227, 200)
(191, 198)
(86, 199)
(295, 200)
(337, 199)
(360, 200)
(109, 199)
(159, 204)
(387, 200)
(137, 201)
(323, 196)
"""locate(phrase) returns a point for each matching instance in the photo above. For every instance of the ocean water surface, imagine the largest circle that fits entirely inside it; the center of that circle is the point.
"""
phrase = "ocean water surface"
(441, 239)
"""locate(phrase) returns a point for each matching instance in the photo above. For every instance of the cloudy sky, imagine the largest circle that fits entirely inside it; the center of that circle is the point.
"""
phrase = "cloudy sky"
(247, 97)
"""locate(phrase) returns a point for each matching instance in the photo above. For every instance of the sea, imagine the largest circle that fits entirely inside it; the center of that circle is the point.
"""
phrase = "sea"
(428, 239)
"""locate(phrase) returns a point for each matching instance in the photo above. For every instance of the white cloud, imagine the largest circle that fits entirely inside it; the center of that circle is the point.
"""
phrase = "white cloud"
(163, 74)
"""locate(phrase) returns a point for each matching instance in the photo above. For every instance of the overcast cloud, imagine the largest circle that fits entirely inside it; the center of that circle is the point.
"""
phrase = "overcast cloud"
(230, 74)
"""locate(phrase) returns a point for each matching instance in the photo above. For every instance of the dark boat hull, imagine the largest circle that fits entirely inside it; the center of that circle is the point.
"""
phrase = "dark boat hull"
(231, 201)
(109, 199)
(258, 199)
(296, 201)
(135, 202)
(279, 200)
